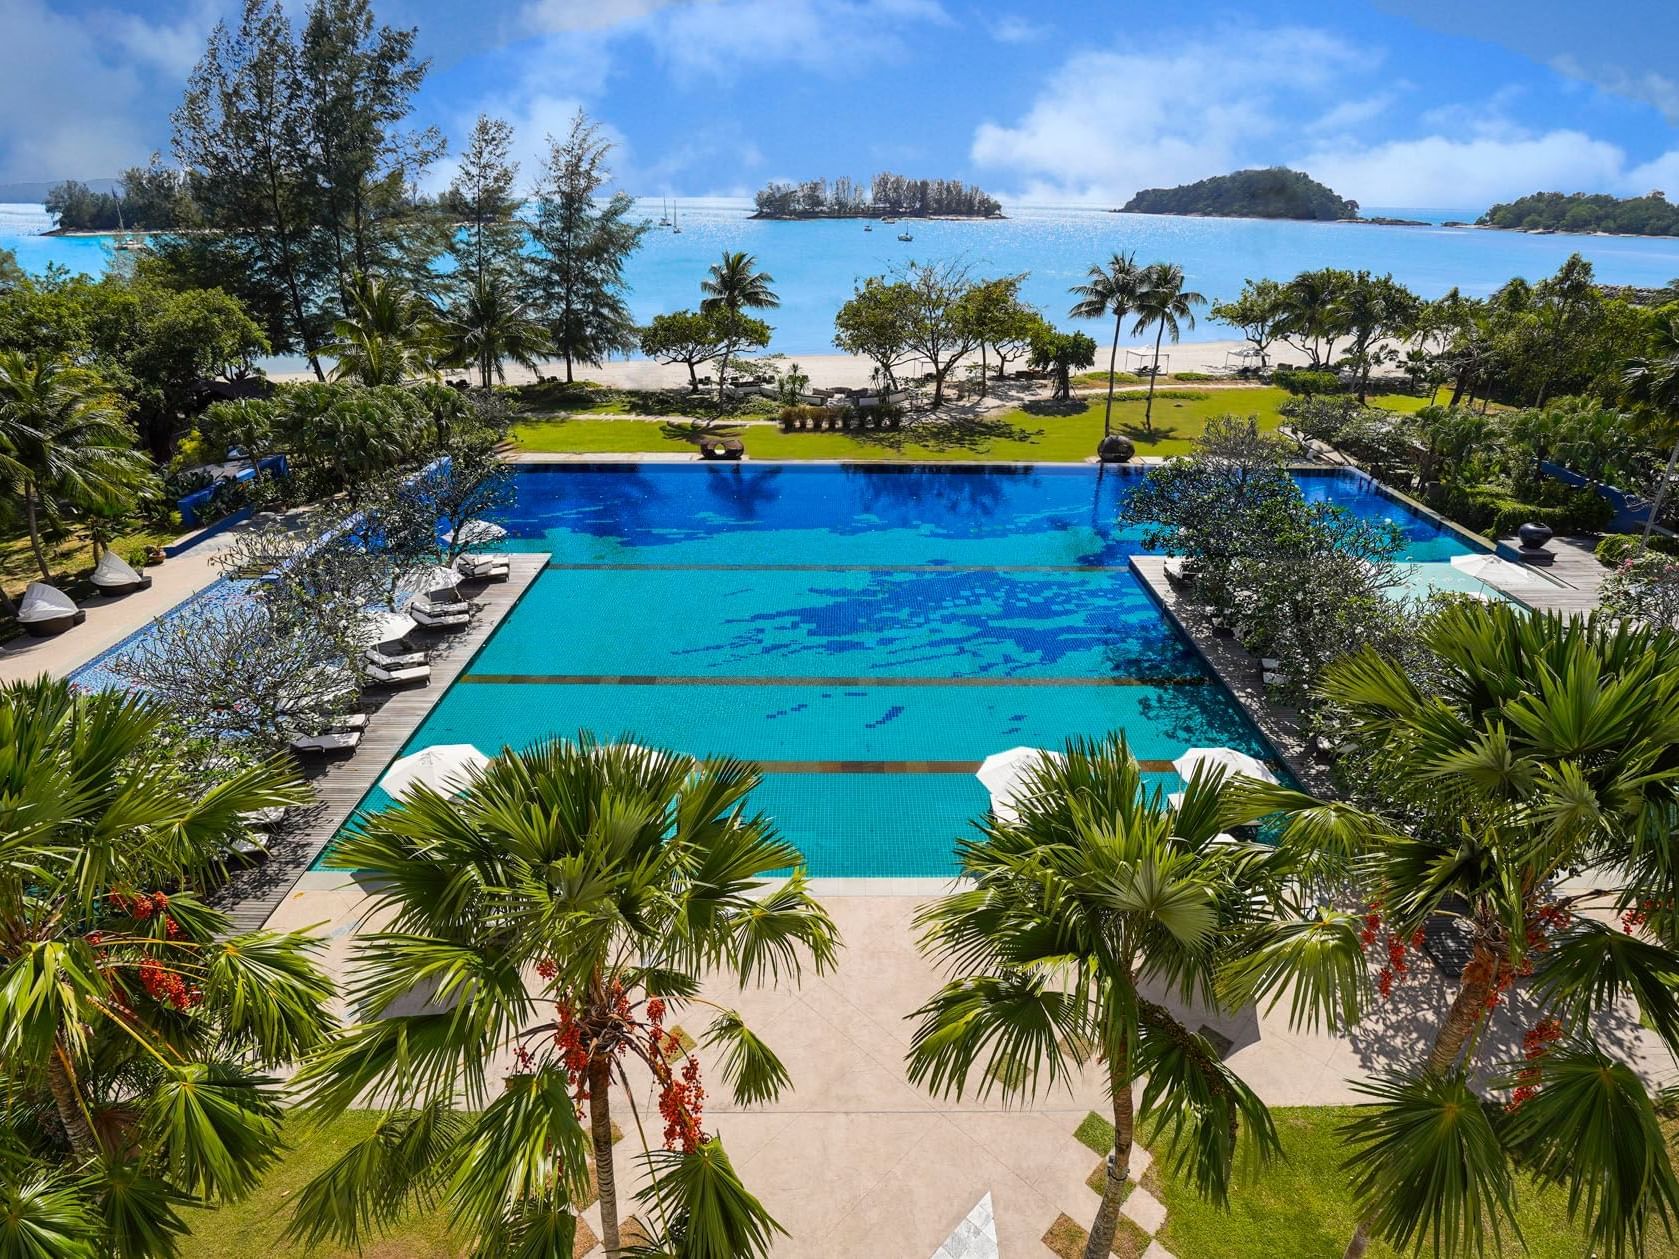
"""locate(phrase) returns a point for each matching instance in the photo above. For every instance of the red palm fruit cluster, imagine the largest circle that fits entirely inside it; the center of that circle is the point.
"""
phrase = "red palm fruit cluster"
(168, 987)
(1535, 1045)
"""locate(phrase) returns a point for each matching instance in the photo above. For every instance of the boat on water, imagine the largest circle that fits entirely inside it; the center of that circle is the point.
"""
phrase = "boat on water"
(868, 227)
(905, 236)
(664, 219)
(675, 227)
(888, 220)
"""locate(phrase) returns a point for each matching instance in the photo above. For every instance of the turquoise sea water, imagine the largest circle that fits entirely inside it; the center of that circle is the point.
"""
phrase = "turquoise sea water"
(817, 264)
(867, 634)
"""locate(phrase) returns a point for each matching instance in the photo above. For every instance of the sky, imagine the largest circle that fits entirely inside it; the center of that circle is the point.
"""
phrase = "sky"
(1395, 103)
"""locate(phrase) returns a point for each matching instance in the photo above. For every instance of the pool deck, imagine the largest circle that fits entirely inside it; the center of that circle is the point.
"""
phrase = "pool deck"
(1576, 577)
(1238, 669)
(251, 896)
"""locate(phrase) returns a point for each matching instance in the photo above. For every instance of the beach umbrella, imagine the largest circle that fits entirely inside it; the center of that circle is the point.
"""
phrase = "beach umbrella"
(477, 533)
(1229, 759)
(1005, 776)
(1496, 571)
(386, 627)
(431, 578)
(446, 767)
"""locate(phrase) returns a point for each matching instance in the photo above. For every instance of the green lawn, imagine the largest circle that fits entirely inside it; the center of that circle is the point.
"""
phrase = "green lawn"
(1040, 433)
(1301, 1206)
(69, 556)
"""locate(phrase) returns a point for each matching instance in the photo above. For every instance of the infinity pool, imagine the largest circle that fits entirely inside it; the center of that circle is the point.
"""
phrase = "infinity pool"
(867, 634)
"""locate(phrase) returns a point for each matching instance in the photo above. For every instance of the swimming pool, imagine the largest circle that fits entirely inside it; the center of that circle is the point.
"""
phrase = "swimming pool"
(867, 633)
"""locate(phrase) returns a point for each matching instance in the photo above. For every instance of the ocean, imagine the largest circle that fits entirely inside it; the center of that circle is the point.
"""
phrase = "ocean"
(816, 264)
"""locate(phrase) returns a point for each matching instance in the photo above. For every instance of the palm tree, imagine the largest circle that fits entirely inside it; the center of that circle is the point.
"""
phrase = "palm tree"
(1095, 890)
(1654, 381)
(63, 443)
(1534, 748)
(733, 285)
(1110, 290)
(490, 325)
(389, 334)
(559, 909)
(1164, 304)
(138, 1038)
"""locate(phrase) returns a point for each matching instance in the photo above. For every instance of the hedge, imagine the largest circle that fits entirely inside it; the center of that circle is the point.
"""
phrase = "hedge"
(1490, 511)
(1307, 383)
(1613, 550)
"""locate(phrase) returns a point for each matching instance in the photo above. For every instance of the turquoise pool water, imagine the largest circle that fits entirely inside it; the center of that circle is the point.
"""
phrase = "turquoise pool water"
(867, 634)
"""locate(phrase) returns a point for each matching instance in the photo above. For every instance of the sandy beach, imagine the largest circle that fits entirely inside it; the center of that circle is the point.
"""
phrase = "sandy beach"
(849, 370)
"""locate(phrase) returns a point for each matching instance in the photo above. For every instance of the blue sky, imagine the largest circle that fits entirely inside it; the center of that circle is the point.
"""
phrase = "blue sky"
(1448, 103)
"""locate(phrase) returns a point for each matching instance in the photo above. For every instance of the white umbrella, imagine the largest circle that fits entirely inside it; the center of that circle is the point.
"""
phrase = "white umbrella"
(1500, 572)
(387, 627)
(477, 533)
(1005, 776)
(1232, 761)
(429, 579)
(443, 767)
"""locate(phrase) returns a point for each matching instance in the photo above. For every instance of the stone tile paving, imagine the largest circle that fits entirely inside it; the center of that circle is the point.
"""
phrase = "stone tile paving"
(974, 1238)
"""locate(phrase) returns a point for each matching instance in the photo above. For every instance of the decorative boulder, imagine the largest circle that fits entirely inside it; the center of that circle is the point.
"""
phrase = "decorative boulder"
(1115, 449)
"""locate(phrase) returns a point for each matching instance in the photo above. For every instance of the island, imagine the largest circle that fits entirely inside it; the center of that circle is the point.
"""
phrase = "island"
(1650, 215)
(1275, 192)
(885, 196)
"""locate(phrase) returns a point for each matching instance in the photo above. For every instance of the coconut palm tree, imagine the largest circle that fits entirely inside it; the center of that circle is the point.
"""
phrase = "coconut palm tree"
(489, 326)
(1653, 380)
(1162, 303)
(138, 1037)
(733, 285)
(63, 443)
(389, 334)
(1095, 895)
(559, 909)
(1536, 748)
(1110, 290)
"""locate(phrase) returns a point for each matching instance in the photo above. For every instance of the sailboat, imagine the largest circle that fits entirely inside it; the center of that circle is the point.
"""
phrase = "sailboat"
(868, 227)
(664, 220)
(905, 236)
(675, 227)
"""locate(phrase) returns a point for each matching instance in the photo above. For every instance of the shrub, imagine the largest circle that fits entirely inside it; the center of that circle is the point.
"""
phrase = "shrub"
(1306, 383)
(1491, 510)
(1193, 376)
(1617, 548)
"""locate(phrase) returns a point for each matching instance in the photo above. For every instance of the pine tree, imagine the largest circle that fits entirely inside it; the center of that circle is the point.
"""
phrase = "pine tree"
(581, 248)
(480, 203)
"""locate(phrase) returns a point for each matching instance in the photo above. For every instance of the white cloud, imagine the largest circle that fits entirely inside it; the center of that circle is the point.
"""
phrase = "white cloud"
(586, 15)
(828, 37)
(1110, 123)
(1650, 86)
(1440, 171)
(1014, 29)
(1353, 113)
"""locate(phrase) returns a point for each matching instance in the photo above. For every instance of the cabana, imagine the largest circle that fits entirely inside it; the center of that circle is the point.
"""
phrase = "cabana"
(47, 610)
(115, 576)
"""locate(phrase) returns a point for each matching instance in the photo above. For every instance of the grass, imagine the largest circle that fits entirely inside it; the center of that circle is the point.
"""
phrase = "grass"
(70, 557)
(1039, 432)
(1066, 1237)
(1304, 1199)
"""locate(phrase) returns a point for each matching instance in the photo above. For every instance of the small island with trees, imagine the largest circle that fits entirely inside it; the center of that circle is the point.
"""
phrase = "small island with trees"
(145, 198)
(1272, 193)
(1650, 215)
(886, 195)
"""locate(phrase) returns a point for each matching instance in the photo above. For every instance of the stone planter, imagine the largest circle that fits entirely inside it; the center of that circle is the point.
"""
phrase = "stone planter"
(1115, 449)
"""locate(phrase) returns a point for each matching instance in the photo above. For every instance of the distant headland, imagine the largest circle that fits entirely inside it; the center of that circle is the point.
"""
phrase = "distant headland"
(1272, 193)
(1650, 215)
(885, 196)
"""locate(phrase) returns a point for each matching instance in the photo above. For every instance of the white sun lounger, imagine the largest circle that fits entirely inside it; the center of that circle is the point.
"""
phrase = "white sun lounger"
(114, 575)
(327, 741)
(441, 620)
(390, 677)
(263, 819)
(437, 607)
(483, 567)
(395, 660)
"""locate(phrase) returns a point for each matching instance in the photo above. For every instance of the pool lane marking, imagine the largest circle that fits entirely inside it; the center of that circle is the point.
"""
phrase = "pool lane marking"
(700, 679)
(904, 767)
(839, 568)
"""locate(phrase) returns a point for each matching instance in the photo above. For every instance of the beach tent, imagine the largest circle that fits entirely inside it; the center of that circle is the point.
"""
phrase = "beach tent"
(1007, 775)
(1229, 759)
(444, 767)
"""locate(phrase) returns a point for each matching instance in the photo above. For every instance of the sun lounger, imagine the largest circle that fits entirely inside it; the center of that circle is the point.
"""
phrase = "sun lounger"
(397, 677)
(437, 607)
(394, 660)
(264, 819)
(1270, 664)
(114, 576)
(449, 620)
(327, 741)
(483, 567)
(1274, 679)
(46, 611)
(1177, 569)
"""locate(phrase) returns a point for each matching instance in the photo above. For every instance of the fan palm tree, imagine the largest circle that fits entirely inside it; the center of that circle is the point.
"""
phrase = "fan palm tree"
(138, 1038)
(1162, 303)
(733, 285)
(1535, 748)
(558, 909)
(1095, 890)
(389, 334)
(1110, 290)
(63, 443)
(490, 326)
(1653, 380)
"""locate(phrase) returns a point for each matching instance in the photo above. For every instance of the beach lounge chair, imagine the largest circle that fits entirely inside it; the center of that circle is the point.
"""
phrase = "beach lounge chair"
(394, 660)
(441, 620)
(327, 741)
(264, 819)
(1177, 569)
(46, 611)
(399, 676)
(489, 567)
(114, 576)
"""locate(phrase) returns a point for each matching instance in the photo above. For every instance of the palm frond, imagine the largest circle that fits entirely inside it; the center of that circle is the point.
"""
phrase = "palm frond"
(751, 1068)
(711, 1214)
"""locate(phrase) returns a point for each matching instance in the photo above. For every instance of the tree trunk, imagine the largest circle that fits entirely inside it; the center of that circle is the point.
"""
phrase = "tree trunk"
(693, 377)
(938, 388)
(1148, 407)
(78, 1129)
(1360, 1241)
(982, 377)
(29, 504)
(567, 352)
(1113, 358)
(600, 1128)
(1119, 1169)
(722, 375)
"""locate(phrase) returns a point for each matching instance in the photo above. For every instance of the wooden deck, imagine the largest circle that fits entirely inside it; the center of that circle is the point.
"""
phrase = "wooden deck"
(1576, 577)
(1238, 669)
(340, 782)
